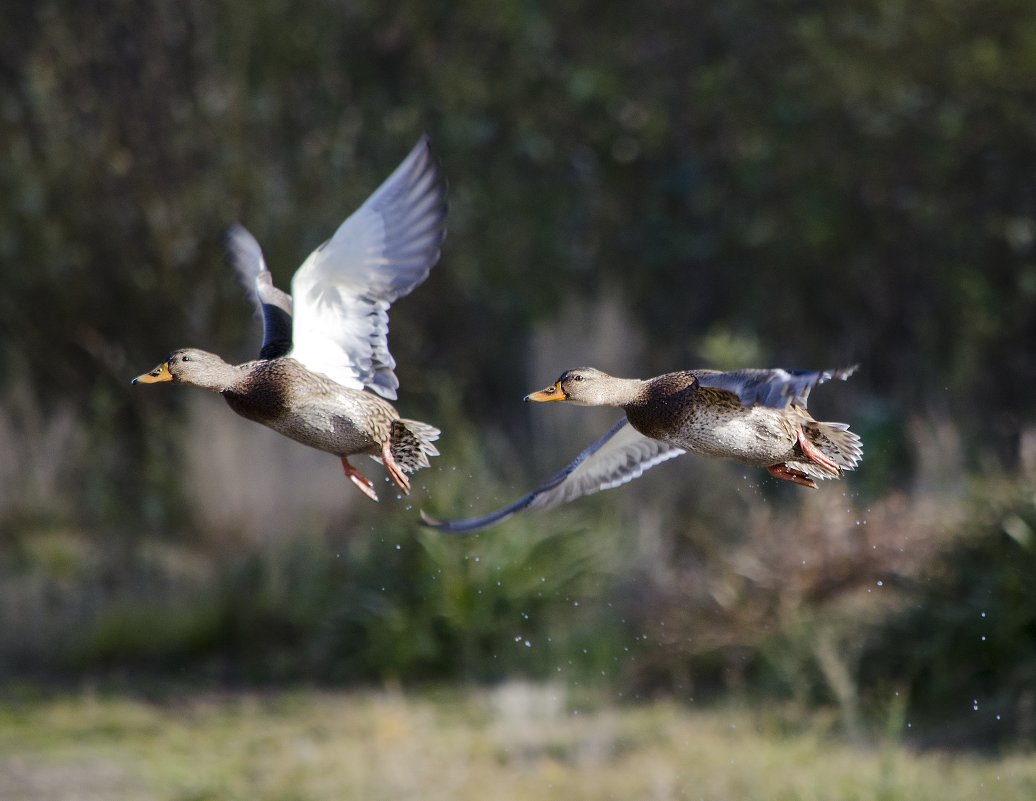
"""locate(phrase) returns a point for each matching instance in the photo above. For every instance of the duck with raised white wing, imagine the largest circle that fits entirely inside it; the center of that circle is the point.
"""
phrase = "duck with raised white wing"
(324, 376)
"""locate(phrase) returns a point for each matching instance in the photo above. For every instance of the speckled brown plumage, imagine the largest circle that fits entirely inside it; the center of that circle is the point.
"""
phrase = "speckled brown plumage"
(311, 409)
(707, 421)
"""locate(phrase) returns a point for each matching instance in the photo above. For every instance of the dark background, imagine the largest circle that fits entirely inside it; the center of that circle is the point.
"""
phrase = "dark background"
(643, 188)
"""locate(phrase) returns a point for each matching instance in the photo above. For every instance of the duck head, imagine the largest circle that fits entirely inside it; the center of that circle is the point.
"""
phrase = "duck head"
(190, 366)
(588, 386)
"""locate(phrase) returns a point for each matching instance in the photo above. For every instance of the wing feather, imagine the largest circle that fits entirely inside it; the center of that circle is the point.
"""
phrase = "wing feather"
(776, 388)
(343, 291)
(274, 305)
(621, 455)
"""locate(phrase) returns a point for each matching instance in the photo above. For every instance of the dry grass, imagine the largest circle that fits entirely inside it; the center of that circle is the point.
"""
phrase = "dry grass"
(517, 742)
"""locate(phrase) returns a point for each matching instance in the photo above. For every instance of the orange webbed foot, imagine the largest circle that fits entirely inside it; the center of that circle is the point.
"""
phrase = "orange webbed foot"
(813, 453)
(364, 484)
(785, 473)
(394, 469)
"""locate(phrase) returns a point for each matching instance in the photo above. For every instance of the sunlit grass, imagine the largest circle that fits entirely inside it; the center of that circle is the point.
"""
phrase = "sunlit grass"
(516, 742)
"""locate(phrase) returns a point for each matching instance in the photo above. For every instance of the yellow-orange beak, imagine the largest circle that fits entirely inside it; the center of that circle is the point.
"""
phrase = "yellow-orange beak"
(551, 393)
(160, 373)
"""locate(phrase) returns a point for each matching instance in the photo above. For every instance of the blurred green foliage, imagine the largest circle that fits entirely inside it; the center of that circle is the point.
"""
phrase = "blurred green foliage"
(391, 606)
(971, 627)
(800, 184)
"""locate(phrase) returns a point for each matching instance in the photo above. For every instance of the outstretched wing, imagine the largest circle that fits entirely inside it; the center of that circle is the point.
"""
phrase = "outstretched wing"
(776, 388)
(619, 456)
(343, 291)
(244, 253)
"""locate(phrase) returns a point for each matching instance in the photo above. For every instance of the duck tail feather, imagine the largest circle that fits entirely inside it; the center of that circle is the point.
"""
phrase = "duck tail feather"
(412, 444)
(836, 442)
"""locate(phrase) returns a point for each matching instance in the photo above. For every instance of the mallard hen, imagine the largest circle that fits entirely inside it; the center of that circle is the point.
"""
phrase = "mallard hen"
(756, 417)
(324, 376)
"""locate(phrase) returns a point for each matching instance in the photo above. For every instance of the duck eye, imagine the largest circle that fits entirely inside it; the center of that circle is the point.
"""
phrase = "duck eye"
(185, 358)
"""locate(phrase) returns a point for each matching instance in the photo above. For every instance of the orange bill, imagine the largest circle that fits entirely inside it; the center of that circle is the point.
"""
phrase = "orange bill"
(160, 373)
(551, 393)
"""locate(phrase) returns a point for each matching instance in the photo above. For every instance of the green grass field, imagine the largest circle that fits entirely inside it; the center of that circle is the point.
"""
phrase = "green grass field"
(516, 742)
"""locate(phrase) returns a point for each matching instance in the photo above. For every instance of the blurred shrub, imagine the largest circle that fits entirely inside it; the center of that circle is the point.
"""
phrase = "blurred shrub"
(919, 604)
(365, 602)
(774, 584)
(388, 605)
(475, 609)
(963, 644)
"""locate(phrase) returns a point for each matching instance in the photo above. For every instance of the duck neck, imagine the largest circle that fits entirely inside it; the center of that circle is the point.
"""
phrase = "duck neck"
(220, 378)
(619, 392)
(215, 375)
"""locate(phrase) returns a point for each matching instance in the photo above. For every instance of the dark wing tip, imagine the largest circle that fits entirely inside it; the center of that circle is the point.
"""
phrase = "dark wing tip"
(435, 522)
(471, 524)
(452, 526)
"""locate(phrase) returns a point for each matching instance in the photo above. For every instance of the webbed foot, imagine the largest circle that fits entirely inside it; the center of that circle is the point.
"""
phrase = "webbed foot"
(786, 473)
(365, 485)
(814, 454)
(394, 469)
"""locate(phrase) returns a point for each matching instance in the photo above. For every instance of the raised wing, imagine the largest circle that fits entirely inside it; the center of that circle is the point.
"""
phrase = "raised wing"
(343, 291)
(619, 456)
(244, 253)
(776, 388)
